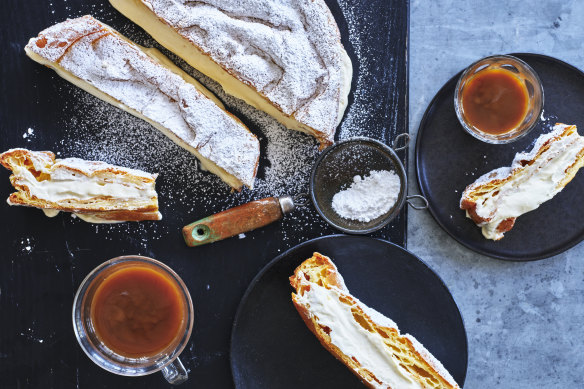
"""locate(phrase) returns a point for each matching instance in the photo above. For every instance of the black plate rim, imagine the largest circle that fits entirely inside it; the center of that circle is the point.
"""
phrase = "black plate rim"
(427, 113)
(274, 261)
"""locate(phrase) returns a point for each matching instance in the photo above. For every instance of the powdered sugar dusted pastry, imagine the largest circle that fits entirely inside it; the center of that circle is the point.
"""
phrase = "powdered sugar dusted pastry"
(283, 57)
(497, 198)
(96, 192)
(145, 83)
(367, 342)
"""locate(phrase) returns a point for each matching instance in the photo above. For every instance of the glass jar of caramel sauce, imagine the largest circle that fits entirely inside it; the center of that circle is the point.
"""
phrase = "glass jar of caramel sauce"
(498, 99)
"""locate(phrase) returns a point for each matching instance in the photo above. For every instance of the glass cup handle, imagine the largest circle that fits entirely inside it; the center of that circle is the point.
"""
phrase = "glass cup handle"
(175, 373)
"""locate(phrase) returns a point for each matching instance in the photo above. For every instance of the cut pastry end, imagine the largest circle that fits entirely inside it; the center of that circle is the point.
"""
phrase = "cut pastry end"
(145, 83)
(304, 34)
(367, 342)
(94, 191)
(496, 199)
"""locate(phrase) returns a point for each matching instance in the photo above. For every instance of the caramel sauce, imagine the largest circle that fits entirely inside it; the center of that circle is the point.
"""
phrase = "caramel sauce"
(495, 101)
(137, 311)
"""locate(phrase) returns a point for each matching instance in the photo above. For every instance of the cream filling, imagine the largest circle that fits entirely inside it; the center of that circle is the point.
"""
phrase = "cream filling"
(76, 187)
(347, 77)
(94, 219)
(168, 37)
(532, 186)
(85, 217)
(50, 212)
(355, 341)
(80, 187)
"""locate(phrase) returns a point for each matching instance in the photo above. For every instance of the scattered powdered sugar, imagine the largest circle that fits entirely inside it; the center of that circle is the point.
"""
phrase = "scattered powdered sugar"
(26, 245)
(28, 134)
(368, 197)
(357, 121)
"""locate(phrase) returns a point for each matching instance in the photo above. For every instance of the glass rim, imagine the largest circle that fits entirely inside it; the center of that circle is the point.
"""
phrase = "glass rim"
(513, 134)
(105, 361)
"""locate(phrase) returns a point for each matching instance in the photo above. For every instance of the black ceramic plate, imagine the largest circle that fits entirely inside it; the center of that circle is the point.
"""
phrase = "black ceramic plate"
(271, 347)
(448, 159)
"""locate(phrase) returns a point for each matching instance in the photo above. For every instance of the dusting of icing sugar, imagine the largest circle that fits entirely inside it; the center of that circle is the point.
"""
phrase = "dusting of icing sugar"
(356, 121)
(368, 197)
(289, 51)
(28, 134)
(92, 129)
(26, 245)
(102, 58)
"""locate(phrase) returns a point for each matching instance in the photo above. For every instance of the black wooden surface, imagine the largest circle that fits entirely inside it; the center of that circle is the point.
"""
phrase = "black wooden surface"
(44, 259)
(443, 175)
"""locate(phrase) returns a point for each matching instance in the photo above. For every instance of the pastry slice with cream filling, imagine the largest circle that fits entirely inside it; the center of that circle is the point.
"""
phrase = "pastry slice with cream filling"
(367, 342)
(497, 198)
(96, 192)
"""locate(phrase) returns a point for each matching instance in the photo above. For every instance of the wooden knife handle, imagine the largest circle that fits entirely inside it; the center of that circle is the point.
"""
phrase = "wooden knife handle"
(233, 221)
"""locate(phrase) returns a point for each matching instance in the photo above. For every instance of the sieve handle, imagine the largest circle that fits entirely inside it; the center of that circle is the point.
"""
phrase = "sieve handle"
(406, 142)
(237, 220)
(424, 204)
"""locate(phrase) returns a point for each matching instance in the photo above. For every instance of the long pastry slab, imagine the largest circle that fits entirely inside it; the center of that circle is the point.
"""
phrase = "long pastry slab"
(95, 191)
(144, 83)
(282, 57)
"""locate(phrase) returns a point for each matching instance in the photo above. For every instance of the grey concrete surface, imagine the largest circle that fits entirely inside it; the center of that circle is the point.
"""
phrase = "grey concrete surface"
(524, 320)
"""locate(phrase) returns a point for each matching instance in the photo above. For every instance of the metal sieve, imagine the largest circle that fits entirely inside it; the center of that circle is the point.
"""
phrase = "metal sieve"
(332, 172)
(337, 165)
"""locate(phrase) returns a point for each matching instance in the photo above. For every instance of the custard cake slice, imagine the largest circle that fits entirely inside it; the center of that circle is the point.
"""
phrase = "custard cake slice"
(496, 199)
(282, 57)
(146, 84)
(367, 342)
(94, 191)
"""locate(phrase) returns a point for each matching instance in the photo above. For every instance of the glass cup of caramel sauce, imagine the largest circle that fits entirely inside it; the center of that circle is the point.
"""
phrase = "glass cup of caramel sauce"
(498, 99)
(133, 316)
